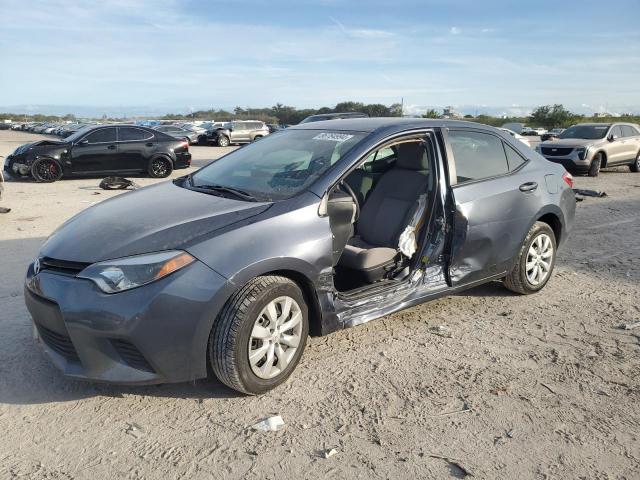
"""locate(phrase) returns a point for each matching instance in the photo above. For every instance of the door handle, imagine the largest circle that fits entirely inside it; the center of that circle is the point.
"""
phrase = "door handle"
(528, 187)
(149, 144)
(111, 147)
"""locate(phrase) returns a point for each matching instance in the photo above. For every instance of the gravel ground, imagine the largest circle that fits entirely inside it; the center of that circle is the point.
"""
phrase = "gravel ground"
(543, 386)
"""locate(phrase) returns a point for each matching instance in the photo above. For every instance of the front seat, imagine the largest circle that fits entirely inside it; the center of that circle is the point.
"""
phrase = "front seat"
(373, 251)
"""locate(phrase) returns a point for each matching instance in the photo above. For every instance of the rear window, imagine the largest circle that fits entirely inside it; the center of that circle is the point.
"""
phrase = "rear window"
(629, 131)
(477, 155)
(128, 134)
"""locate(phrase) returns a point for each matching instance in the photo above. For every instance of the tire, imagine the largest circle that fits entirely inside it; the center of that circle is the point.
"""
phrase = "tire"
(522, 279)
(635, 166)
(594, 168)
(257, 137)
(231, 338)
(160, 167)
(223, 141)
(46, 170)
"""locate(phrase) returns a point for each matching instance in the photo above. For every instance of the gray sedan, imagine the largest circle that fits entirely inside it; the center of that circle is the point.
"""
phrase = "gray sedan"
(187, 134)
(317, 228)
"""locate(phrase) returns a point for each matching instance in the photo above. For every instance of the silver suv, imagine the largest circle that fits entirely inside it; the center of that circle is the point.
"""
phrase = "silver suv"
(244, 131)
(587, 147)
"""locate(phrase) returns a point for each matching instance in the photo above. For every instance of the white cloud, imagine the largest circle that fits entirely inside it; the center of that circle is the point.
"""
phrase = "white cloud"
(455, 31)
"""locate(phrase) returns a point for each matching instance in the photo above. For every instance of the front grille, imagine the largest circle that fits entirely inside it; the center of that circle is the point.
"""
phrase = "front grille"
(58, 342)
(62, 266)
(556, 151)
(131, 355)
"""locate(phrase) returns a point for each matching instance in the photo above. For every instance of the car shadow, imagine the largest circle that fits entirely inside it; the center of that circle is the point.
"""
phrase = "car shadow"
(491, 289)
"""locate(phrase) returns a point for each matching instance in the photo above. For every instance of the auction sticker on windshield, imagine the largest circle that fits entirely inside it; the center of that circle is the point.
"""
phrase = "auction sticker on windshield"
(333, 137)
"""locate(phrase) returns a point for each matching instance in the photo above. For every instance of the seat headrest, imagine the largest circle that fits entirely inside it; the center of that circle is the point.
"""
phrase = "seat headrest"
(412, 156)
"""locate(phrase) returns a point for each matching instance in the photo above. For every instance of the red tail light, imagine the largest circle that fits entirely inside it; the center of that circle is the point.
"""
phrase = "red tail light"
(185, 145)
(568, 179)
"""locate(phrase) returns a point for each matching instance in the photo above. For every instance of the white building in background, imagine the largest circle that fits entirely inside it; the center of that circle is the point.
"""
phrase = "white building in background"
(450, 112)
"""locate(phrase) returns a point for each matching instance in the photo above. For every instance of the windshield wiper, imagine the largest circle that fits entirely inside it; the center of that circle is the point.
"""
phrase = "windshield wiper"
(223, 189)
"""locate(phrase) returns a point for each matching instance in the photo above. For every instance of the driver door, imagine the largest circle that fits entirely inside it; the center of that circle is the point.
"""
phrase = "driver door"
(96, 152)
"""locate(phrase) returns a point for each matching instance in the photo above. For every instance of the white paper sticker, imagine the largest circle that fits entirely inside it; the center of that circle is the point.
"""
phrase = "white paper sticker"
(333, 137)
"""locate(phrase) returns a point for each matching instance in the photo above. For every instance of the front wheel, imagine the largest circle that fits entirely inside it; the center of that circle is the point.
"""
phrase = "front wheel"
(223, 141)
(594, 168)
(635, 166)
(160, 167)
(258, 338)
(46, 170)
(535, 262)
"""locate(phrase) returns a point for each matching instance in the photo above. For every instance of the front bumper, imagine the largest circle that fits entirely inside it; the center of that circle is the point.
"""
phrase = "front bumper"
(572, 162)
(156, 333)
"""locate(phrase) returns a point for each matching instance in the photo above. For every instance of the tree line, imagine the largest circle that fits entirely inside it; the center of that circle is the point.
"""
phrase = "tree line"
(547, 116)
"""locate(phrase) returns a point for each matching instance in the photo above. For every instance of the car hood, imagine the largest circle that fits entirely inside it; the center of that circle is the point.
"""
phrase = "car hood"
(569, 142)
(160, 217)
(41, 145)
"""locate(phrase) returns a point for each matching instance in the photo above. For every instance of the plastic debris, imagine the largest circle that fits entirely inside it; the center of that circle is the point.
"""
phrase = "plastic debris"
(441, 331)
(330, 453)
(630, 326)
(271, 424)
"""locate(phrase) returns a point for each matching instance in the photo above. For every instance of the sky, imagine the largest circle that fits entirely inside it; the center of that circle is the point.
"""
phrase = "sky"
(180, 55)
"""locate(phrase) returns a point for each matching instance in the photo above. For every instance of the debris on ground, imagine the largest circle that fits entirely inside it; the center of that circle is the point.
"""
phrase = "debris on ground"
(457, 469)
(271, 424)
(117, 183)
(329, 453)
(630, 326)
(441, 331)
(4, 210)
(134, 430)
(580, 193)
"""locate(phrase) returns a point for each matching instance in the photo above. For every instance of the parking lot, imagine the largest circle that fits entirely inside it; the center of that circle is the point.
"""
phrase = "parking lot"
(543, 386)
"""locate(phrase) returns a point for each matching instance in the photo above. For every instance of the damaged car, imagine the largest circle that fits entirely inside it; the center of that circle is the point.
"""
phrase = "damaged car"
(100, 150)
(324, 226)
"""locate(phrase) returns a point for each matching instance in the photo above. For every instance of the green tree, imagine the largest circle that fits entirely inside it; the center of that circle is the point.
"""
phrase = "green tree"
(431, 113)
(552, 116)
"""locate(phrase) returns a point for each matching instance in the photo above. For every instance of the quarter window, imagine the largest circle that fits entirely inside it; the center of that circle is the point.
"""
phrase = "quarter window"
(629, 131)
(477, 155)
(129, 134)
(514, 159)
(103, 135)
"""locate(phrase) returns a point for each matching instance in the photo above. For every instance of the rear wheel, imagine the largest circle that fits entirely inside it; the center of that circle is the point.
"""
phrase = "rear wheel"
(223, 141)
(46, 170)
(594, 168)
(160, 167)
(535, 262)
(260, 335)
(635, 166)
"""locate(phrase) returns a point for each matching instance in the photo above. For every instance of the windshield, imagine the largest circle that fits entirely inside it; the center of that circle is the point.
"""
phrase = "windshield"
(587, 132)
(280, 165)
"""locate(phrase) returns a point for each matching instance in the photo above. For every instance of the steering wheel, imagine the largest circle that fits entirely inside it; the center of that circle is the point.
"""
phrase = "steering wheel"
(345, 186)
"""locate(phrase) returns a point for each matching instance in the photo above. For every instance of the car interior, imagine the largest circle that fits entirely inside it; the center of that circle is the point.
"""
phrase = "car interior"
(372, 207)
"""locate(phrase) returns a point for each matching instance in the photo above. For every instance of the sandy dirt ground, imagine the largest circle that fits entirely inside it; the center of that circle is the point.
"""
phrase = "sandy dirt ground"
(544, 386)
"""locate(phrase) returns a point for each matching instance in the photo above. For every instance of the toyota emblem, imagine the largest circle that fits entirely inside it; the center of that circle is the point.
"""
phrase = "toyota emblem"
(36, 266)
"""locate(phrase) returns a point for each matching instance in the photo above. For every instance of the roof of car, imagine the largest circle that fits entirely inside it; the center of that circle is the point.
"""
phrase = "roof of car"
(373, 124)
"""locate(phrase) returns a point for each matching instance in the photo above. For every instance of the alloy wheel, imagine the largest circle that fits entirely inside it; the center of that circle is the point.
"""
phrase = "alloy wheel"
(159, 167)
(539, 259)
(275, 337)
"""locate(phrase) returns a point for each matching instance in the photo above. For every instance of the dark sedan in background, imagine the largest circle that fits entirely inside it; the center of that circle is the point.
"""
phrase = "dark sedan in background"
(98, 151)
(320, 227)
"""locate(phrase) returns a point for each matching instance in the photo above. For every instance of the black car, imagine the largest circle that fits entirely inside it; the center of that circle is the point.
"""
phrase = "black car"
(100, 150)
(333, 116)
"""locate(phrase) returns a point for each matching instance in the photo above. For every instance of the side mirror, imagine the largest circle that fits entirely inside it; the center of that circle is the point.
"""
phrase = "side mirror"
(611, 137)
(83, 142)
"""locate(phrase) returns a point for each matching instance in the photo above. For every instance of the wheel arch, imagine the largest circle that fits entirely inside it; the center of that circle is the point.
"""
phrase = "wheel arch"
(163, 155)
(552, 219)
(603, 162)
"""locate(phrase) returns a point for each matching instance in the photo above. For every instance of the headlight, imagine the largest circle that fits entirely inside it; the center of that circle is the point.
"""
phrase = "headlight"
(122, 274)
(582, 152)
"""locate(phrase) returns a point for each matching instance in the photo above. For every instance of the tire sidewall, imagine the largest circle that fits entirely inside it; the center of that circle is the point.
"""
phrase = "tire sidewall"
(223, 141)
(241, 349)
(537, 229)
(594, 167)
